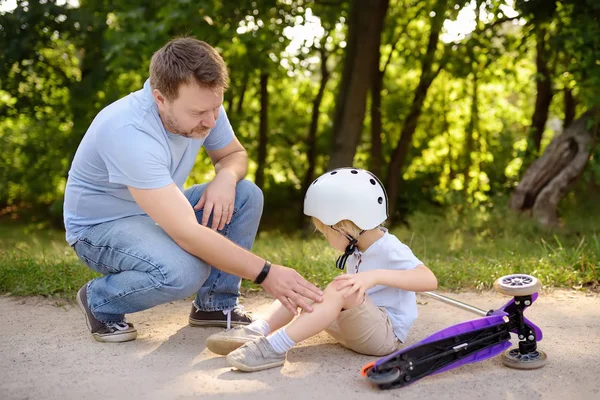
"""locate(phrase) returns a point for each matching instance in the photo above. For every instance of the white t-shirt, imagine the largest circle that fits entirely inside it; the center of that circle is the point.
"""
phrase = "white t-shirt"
(389, 253)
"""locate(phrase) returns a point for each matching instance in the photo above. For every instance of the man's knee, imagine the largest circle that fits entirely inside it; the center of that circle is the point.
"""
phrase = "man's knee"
(184, 279)
(249, 195)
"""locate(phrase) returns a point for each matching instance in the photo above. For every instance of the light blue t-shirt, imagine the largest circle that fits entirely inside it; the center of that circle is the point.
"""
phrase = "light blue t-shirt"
(388, 252)
(128, 145)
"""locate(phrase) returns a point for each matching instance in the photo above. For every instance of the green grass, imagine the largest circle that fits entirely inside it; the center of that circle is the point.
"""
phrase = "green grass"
(466, 250)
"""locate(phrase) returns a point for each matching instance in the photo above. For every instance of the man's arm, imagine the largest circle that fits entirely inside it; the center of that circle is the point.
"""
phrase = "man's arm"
(168, 207)
(231, 165)
(232, 158)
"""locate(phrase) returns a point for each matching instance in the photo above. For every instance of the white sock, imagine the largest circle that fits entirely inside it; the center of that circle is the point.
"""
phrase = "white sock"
(280, 341)
(260, 326)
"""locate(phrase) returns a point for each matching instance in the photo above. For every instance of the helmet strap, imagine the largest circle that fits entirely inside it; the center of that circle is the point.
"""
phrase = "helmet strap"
(341, 261)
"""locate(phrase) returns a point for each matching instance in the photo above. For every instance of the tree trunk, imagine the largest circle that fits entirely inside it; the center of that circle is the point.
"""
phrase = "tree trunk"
(399, 154)
(570, 105)
(364, 37)
(376, 145)
(548, 179)
(471, 129)
(543, 80)
(92, 64)
(376, 159)
(240, 104)
(312, 132)
(472, 126)
(263, 130)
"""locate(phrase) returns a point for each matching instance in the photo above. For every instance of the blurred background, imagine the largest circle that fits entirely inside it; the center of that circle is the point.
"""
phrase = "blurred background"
(479, 117)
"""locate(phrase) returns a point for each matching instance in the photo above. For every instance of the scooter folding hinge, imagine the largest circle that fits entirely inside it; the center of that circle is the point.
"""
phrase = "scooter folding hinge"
(460, 347)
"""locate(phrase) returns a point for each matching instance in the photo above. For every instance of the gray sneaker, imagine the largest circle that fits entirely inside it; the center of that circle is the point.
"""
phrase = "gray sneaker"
(104, 331)
(256, 356)
(227, 341)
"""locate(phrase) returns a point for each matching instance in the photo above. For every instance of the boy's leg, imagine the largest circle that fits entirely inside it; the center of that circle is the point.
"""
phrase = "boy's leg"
(277, 316)
(270, 352)
(365, 329)
(221, 290)
(225, 342)
(142, 267)
(323, 314)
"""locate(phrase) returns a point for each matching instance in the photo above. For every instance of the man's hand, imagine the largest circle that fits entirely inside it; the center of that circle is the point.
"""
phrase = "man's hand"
(219, 199)
(359, 282)
(291, 289)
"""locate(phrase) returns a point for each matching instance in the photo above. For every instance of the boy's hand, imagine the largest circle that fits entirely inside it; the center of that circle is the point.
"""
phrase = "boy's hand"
(359, 282)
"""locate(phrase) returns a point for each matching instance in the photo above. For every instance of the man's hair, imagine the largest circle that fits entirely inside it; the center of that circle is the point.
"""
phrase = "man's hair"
(183, 61)
(345, 226)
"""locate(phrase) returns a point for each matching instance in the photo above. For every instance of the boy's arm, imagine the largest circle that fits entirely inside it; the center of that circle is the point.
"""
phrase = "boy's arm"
(418, 279)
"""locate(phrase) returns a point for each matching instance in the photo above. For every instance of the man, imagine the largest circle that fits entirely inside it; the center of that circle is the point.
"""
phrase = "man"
(128, 217)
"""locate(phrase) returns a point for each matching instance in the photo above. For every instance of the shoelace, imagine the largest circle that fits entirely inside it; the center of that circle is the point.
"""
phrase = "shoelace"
(120, 326)
(230, 310)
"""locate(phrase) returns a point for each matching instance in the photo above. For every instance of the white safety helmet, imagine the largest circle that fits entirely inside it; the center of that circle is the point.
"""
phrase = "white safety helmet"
(347, 193)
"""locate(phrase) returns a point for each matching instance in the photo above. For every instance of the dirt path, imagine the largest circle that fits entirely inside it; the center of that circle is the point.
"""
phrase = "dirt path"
(46, 353)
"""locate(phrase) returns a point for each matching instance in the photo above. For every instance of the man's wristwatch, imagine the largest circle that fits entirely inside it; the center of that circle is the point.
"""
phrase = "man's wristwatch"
(263, 274)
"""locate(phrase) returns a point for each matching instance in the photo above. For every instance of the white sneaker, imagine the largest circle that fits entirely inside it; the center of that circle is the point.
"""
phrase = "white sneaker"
(256, 356)
(227, 341)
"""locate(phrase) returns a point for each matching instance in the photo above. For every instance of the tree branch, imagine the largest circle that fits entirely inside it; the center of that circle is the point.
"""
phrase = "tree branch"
(500, 21)
(329, 3)
(398, 37)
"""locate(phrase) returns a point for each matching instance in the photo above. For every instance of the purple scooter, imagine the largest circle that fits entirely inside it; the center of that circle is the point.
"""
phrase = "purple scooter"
(470, 341)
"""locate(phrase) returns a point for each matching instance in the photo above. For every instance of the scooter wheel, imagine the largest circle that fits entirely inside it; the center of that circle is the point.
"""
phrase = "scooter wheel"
(514, 359)
(383, 377)
(517, 285)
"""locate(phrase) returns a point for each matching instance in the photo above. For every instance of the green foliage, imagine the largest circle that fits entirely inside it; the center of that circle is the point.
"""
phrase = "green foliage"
(36, 67)
(59, 65)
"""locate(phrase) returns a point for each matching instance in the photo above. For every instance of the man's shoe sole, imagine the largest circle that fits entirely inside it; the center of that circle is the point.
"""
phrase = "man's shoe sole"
(110, 338)
(216, 324)
(116, 337)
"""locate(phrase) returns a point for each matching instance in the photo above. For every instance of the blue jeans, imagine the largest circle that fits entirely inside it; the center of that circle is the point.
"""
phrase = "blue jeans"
(144, 267)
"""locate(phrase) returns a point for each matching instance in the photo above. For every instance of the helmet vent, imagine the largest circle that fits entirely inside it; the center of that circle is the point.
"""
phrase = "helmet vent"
(333, 172)
(373, 182)
(380, 200)
(315, 181)
(354, 171)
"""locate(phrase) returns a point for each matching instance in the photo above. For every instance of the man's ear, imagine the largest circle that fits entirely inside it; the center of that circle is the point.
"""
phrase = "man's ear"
(159, 98)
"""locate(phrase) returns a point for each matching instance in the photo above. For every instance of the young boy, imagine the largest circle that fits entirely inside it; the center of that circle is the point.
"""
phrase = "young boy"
(370, 309)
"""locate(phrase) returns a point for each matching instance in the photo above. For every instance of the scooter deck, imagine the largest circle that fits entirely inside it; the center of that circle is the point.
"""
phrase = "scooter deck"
(464, 343)
(460, 344)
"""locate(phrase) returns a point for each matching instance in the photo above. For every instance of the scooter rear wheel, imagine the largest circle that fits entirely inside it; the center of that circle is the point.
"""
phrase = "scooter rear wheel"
(383, 377)
(517, 285)
(514, 359)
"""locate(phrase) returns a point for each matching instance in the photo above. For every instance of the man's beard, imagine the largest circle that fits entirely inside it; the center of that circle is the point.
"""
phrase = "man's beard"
(198, 132)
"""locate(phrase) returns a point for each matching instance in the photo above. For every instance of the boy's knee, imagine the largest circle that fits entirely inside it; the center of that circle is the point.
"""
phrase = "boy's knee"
(331, 288)
(332, 291)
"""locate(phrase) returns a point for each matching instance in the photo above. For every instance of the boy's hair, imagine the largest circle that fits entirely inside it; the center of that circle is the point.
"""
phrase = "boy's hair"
(345, 226)
(183, 61)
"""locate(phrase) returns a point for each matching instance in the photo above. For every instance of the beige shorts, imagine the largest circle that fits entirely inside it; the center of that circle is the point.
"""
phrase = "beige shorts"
(365, 329)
